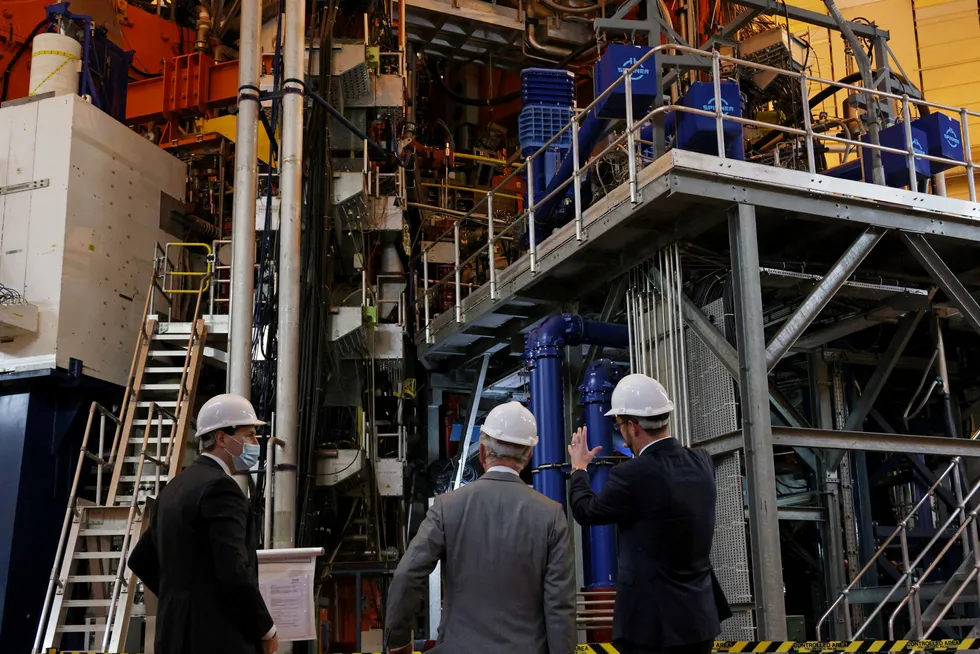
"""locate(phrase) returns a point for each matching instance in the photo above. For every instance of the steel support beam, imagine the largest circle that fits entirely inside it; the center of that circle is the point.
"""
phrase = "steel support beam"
(859, 412)
(613, 301)
(945, 278)
(820, 296)
(471, 419)
(811, 17)
(856, 441)
(767, 566)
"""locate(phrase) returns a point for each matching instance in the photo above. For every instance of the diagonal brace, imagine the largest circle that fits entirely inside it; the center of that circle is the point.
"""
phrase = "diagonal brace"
(820, 296)
(944, 277)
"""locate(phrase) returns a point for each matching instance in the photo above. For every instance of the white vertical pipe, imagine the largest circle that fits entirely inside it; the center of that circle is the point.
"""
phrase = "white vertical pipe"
(291, 185)
(246, 188)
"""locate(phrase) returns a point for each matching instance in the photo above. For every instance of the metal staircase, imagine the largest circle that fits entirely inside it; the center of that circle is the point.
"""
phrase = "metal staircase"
(906, 594)
(91, 591)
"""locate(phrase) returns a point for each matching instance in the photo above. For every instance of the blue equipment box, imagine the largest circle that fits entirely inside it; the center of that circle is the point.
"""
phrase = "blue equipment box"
(615, 61)
(537, 124)
(699, 133)
(547, 86)
(943, 139)
(896, 165)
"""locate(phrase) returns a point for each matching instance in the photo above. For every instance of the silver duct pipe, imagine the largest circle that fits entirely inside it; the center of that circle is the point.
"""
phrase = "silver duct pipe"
(544, 49)
(243, 216)
(291, 189)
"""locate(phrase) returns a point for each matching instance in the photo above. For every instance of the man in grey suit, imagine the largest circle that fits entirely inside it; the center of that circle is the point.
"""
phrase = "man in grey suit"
(506, 557)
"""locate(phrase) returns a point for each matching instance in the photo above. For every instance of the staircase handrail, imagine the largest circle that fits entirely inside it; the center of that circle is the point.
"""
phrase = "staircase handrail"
(899, 530)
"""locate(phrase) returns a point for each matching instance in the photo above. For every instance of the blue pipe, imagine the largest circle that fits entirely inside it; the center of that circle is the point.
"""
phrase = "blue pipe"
(543, 353)
(600, 380)
(588, 136)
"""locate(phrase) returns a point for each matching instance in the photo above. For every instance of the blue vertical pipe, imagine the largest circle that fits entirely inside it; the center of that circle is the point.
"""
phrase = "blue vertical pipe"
(548, 405)
(600, 380)
(543, 353)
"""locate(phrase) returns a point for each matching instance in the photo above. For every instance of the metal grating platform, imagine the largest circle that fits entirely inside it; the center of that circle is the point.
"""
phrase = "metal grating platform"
(682, 195)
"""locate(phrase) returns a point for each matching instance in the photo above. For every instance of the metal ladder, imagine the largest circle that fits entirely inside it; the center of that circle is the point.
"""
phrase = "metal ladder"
(906, 592)
(91, 590)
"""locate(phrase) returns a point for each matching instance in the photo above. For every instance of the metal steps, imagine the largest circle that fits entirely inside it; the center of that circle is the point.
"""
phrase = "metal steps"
(167, 391)
(91, 590)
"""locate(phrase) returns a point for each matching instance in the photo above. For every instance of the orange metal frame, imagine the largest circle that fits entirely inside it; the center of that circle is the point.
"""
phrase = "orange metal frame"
(154, 39)
(191, 85)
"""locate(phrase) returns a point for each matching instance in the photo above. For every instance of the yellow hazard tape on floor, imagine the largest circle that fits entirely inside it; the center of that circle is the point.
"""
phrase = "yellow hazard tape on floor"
(827, 647)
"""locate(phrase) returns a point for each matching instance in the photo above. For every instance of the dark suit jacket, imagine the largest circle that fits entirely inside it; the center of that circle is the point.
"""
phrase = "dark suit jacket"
(663, 503)
(507, 566)
(198, 558)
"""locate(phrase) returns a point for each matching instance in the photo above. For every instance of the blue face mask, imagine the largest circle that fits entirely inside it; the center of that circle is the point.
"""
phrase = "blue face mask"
(248, 458)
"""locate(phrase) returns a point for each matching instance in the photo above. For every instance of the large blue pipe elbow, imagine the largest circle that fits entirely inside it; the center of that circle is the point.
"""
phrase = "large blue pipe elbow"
(589, 134)
(600, 380)
(544, 351)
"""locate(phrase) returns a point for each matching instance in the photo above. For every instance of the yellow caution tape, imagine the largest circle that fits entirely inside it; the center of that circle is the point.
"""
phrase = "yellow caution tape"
(826, 647)
(69, 57)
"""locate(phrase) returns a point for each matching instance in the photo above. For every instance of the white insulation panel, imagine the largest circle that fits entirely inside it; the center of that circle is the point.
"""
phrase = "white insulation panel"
(81, 247)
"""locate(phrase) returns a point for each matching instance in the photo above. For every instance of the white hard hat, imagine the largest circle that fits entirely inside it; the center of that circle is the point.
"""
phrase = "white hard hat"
(227, 410)
(511, 423)
(640, 396)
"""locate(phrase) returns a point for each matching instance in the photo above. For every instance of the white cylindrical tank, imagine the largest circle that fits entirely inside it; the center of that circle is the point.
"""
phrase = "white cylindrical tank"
(54, 64)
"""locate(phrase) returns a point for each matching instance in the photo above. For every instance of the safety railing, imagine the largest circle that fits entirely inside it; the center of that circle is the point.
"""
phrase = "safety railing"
(215, 278)
(810, 133)
(134, 508)
(912, 587)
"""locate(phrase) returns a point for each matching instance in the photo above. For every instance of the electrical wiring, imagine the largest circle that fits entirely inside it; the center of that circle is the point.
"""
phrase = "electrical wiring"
(9, 295)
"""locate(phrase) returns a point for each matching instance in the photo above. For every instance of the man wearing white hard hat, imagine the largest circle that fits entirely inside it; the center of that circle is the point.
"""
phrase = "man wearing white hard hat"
(507, 562)
(198, 555)
(663, 503)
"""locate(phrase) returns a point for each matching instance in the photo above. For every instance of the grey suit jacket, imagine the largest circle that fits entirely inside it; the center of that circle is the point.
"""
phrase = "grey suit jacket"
(507, 566)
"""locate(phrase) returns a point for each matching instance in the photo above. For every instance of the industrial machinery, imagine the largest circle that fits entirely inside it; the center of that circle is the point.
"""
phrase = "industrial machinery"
(380, 220)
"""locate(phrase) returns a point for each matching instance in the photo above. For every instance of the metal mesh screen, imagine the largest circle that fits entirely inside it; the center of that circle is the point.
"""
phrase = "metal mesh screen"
(713, 412)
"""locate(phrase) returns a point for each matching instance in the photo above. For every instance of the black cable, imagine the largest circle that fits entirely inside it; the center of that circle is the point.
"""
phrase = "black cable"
(828, 92)
(20, 53)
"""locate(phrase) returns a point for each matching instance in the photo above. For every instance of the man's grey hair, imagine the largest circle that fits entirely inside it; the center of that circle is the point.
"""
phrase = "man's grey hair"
(653, 423)
(502, 450)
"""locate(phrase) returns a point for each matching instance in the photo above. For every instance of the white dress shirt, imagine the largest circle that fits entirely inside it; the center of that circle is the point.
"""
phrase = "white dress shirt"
(503, 469)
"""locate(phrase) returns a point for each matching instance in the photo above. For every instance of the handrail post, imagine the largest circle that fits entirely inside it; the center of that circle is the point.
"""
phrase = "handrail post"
(425, 293)
(807, 125)
(915, 615)
(531, 236)
(577, 179)
(968, 153)
(459, 308)
(491, 264)
(630, 136)
(909, 149)
(719, 114)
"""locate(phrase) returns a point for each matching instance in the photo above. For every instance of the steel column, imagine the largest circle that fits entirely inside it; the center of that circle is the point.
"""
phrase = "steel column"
(821, 294)
(243, 211)
(291, 197)
(945, 278)
(767, 566)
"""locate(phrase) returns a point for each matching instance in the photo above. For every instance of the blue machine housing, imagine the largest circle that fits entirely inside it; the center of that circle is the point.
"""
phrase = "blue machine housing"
(896, 165)
(944, 138)
(615, 61)
(698, 133)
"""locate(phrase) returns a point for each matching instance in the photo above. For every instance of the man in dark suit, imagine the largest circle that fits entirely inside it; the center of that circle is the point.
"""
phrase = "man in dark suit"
(198, 555)
(663, 503)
